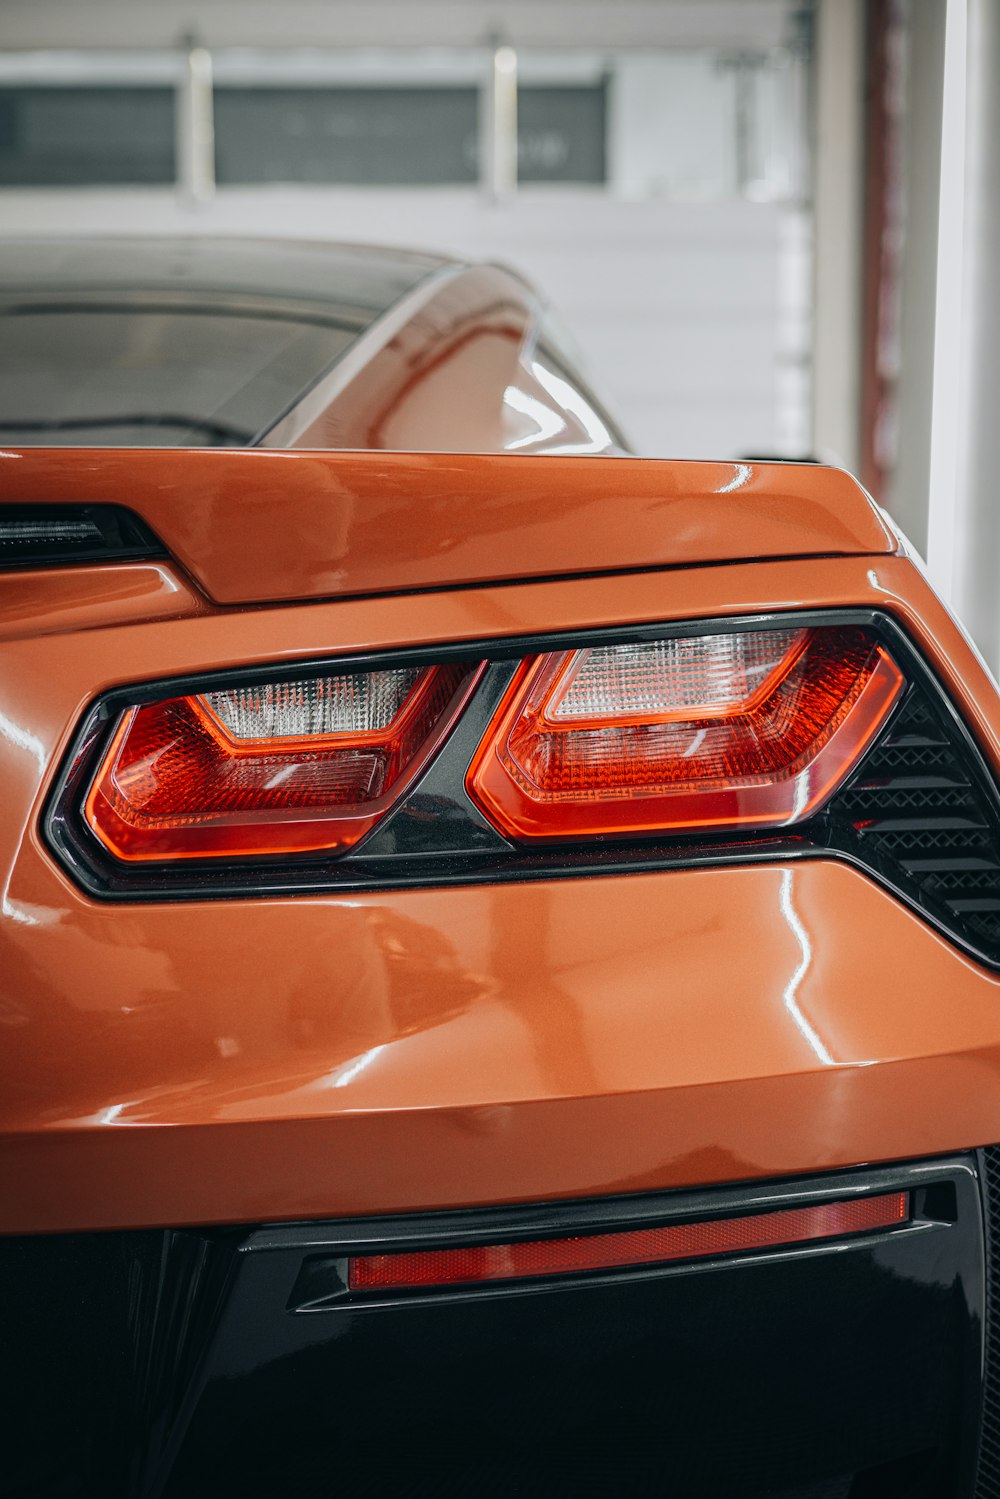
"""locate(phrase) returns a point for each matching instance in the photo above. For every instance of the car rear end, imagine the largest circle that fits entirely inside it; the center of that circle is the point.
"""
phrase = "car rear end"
(500, 982)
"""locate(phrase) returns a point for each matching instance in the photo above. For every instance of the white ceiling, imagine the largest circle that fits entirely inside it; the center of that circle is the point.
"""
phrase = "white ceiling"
(404, 23)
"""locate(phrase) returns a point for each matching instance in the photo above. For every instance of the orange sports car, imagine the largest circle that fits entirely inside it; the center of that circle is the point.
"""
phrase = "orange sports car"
(499, 939)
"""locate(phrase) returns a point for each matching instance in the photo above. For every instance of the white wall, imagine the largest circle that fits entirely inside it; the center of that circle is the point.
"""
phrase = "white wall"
(694, 316)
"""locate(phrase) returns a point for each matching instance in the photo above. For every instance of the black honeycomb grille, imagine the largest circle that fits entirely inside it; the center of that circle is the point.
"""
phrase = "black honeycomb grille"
(921, 813)
(988, 1471)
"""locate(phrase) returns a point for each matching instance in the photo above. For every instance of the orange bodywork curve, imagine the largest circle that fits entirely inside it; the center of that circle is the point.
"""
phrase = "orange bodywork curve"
(254, 526)
(318, 1058)
(277, 1058)
(72, 598)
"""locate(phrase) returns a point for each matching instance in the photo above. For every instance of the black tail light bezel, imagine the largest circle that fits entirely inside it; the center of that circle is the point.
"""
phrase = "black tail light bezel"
(437, 837)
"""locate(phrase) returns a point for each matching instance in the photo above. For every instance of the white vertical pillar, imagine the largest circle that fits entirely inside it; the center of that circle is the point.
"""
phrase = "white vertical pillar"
(498, 125)
(944, 518)
(838, 198)
(196, 127)
(909, 495)
(976, 563)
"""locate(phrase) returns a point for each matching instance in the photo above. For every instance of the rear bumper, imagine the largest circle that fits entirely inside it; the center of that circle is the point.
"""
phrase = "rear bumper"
(419, 1050)
(185, 1364)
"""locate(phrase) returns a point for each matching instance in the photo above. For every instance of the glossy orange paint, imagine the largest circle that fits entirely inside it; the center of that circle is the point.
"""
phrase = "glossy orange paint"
(239, 1060)
(324, 1057)
(254, 526)
(54, 600)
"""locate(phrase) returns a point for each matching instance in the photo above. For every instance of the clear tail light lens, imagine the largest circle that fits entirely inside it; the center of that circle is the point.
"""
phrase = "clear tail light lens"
(685, 734)
(271, 768)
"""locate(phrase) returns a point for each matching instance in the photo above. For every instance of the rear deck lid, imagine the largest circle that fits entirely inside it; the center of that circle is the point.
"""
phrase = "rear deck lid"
(254, 526)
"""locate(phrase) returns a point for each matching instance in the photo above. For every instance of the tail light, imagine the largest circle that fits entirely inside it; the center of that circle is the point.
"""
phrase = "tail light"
(757, 739)
(271, 768)
(756, 728)
(63, 535)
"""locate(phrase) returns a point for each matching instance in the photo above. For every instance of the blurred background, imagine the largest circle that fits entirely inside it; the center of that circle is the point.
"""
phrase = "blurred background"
(772, 226)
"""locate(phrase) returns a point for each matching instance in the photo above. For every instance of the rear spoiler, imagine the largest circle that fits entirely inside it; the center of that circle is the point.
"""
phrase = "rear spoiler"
(252, 526)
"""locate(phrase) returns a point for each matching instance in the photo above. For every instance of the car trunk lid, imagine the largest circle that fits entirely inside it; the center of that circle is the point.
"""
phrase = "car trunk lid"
(255, 526)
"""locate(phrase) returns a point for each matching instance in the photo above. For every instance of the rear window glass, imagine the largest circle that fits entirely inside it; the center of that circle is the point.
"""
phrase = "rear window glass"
(154, 377)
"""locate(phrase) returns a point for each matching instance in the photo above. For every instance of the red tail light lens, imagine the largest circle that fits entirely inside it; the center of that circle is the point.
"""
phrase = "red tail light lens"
(641, 1246)
(271, 768)
(695, 732)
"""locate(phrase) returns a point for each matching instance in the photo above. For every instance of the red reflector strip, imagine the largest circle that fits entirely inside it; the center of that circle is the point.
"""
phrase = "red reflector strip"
(638, 1246)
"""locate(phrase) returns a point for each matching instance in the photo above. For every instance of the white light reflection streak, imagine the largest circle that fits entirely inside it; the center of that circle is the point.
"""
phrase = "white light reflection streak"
(30, 742)
(280, 776)
(800, 795)
(13, 910)
(548, 423)
(695, 744)
(347, 1074)
(743, 473)
(572, 401)
(792, 987)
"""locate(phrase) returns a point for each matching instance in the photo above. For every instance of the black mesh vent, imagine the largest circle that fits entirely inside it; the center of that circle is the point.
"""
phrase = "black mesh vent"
(920, 813)
(988, 1473)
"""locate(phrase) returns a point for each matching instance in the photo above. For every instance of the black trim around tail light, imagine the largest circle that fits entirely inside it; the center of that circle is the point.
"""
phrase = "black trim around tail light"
(65, 535)
(919, 812)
